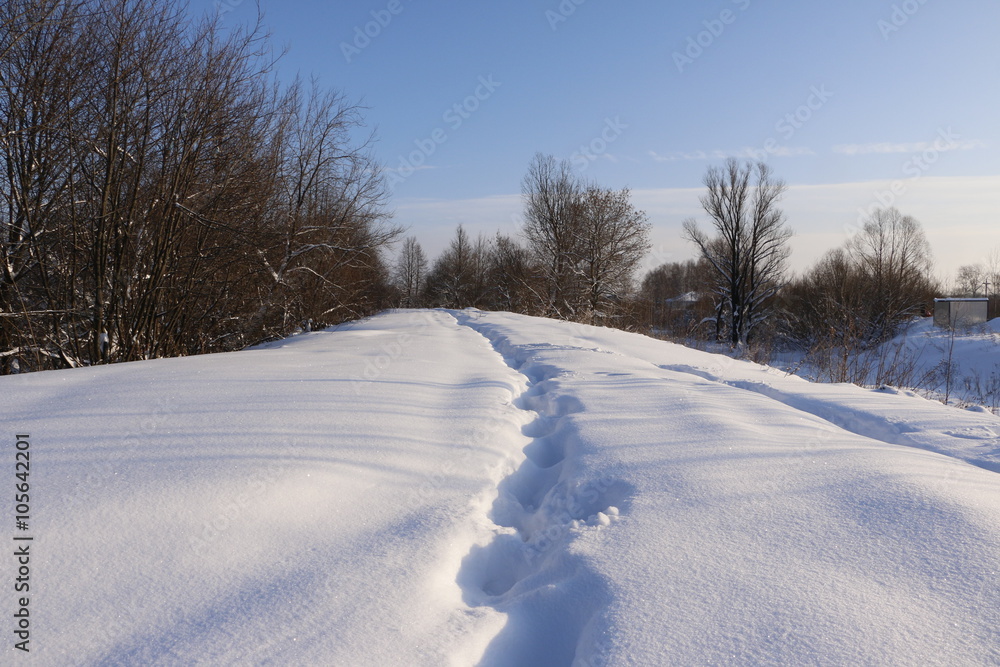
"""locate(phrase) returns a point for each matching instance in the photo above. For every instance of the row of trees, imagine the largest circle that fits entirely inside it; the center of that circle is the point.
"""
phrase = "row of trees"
(981, 280)
(583, 243)
(161, 193)
(582, 246)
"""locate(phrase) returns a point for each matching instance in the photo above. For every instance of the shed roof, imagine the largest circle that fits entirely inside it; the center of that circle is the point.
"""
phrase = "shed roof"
(958, 298)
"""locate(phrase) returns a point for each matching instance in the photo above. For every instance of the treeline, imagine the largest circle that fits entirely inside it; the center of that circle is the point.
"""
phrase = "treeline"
(575, 257)
(163, 194)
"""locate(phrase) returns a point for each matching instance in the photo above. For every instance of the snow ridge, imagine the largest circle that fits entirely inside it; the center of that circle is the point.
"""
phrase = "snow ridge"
(529, 570)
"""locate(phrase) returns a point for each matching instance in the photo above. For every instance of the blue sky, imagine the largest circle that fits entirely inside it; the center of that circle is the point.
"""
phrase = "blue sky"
(852, 103)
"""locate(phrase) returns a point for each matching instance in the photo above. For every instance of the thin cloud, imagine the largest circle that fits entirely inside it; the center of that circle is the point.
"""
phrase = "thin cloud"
(792, 151)
(676, 156)
(747, 152)
(885, 147)
(409, 170)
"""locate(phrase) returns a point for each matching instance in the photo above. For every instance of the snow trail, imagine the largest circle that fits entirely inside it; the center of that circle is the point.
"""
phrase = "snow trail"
(549, 594)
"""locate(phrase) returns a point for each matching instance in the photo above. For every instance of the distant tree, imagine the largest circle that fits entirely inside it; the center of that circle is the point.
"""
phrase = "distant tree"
(411, 273)
(993, 276)
(512, 277)
(971, 280)
(552, 229)
(456, 279)
(750, 248)
(846, 308)
(585, 241)
(675, 295)
(829, 303)
(894, 259)
(613, 238)
(993, 270)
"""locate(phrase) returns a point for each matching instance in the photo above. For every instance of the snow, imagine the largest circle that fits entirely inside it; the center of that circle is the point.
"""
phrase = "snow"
(930, 357)
(970, 350)
(442, 487)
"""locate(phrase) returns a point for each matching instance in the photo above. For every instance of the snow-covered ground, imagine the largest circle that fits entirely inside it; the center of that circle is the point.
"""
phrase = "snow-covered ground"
(967, 357)
(961, 365)
(434, 487)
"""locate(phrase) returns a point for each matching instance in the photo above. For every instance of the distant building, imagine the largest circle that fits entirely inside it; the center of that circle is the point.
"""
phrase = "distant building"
(959, 312)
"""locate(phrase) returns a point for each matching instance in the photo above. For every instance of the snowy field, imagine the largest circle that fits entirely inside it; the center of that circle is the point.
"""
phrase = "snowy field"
(459, 488)
(964, 362)
(961, 365)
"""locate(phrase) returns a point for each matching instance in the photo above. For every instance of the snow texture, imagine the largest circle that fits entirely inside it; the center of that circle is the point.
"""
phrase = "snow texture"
(461, 487)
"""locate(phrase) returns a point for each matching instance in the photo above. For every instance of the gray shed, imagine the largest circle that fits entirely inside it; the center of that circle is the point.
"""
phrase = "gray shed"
(959, 312)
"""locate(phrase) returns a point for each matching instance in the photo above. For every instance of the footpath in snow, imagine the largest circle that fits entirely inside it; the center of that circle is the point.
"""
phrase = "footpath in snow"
(433, 487)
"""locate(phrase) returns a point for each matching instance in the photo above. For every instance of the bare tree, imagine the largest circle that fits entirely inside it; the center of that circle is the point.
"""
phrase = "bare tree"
(457, 279)
(894, 258)
(512, 276)
(159, 196)
(751, 247)
(993, 268)
(43, 57)
(552, 196)
(992, 289)
(329, 220)
(411, 272)
(970, 279)
(851, 303)
(675, 296)
(613, 238)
